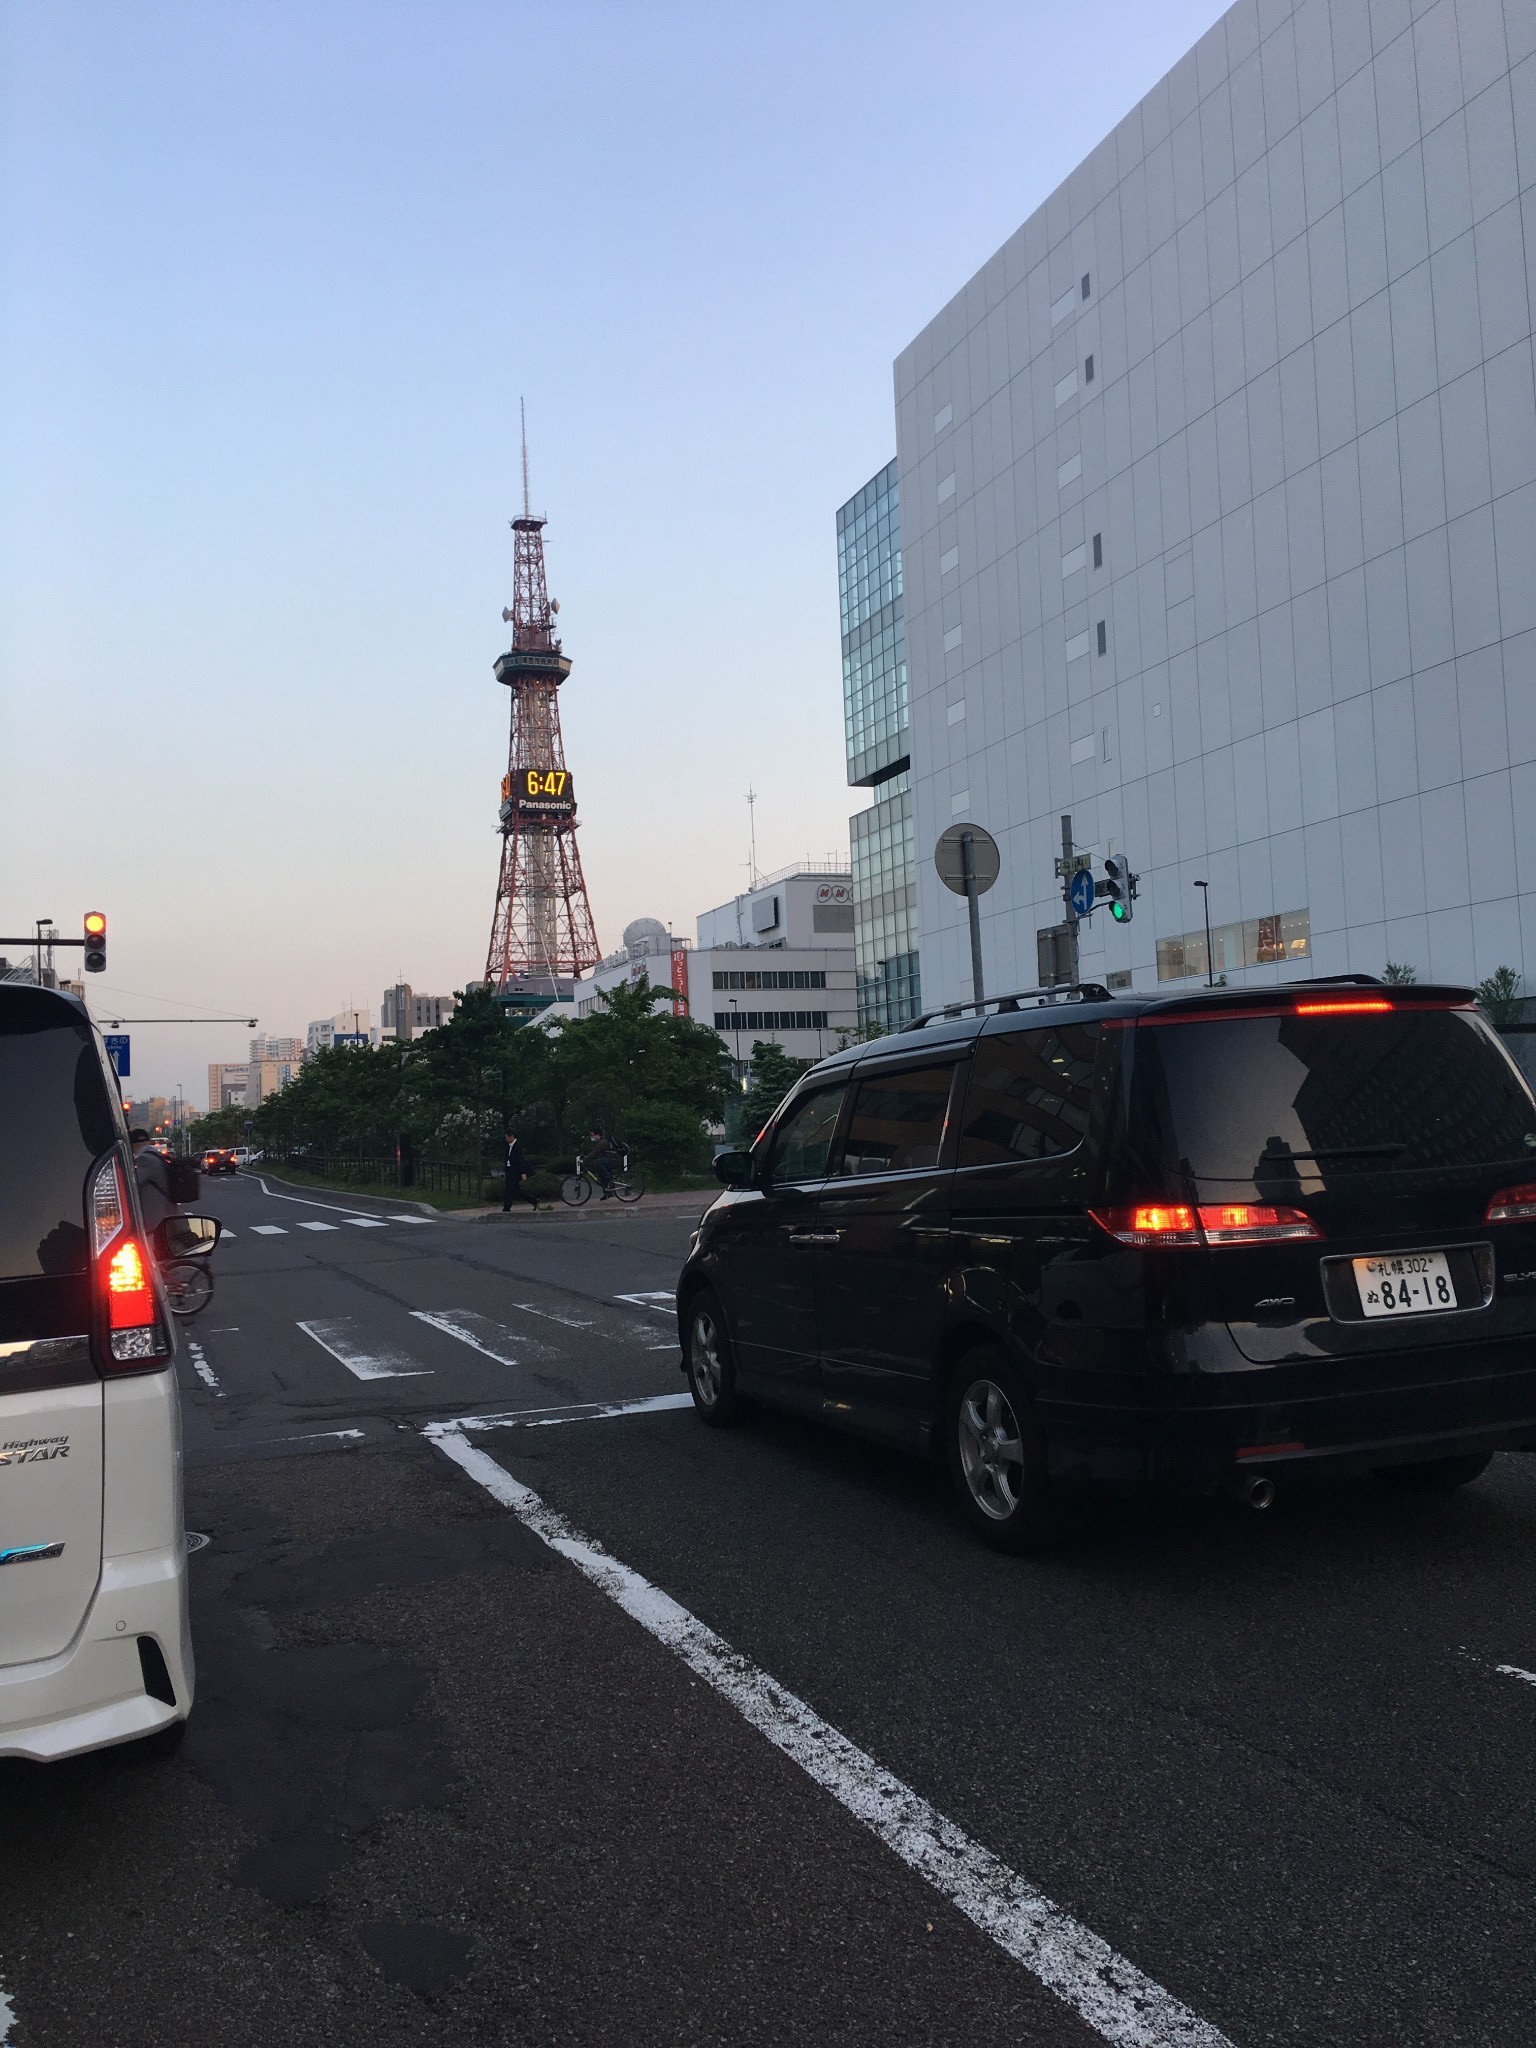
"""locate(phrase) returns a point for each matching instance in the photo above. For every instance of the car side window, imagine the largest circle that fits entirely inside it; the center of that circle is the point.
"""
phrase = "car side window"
(1028, 1095)
(799, 1147)
(897, 1121)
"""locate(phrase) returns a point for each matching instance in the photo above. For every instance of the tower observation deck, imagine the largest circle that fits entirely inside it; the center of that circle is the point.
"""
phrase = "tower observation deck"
(542, 934)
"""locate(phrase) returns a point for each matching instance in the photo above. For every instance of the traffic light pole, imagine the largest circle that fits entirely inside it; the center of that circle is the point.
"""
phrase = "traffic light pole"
(1073, 974)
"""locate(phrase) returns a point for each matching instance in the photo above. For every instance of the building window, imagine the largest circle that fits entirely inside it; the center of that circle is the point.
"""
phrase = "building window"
(769, 977)
(947, 487)
(942, 418)
(1066, 388)
(1088, 369)
(1103, 638)
(1255, 942)
(1085, 283)
(1098, 551)
(770, 1020)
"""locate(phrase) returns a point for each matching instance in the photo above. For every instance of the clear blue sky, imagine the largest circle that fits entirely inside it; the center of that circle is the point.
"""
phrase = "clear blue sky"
(274, 277)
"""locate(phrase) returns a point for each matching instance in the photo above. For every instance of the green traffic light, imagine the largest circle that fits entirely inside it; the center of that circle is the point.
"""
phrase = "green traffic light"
(1119, 912)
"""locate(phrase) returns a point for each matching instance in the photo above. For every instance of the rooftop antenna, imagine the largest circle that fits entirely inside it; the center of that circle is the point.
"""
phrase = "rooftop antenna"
(522, 413)
(752, 838)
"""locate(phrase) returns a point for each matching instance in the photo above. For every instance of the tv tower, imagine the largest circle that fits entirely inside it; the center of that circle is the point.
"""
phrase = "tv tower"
(542, 935)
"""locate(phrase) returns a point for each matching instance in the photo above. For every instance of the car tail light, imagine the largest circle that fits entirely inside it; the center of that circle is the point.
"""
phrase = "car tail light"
(1150, 1224)
(1513, 1205)
(1356, 1006)
(1254, 1223)
(135, 1333)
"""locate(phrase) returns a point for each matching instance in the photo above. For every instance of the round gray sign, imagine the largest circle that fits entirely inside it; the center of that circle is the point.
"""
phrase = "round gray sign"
(949, 858)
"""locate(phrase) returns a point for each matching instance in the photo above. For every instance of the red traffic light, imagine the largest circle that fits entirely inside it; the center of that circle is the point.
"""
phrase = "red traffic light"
(95, 942)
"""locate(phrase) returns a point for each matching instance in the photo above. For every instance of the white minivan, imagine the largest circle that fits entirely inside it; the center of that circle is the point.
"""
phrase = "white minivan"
(94, 1642)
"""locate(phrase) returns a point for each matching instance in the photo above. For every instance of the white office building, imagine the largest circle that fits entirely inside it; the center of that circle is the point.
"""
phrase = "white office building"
(1218, 517)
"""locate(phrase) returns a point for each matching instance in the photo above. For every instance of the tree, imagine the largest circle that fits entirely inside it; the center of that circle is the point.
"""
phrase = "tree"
(773, 1073)
(224, 1126)
(627, 1060)
(1501, 999)
(1399, 973)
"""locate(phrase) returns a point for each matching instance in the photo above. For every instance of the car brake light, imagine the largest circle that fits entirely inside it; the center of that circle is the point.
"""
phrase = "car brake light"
(130, 1298)
(1513, 1205)
(1254, 1223)
(1360, 1006)
(1150, 1224)
(135, 1335)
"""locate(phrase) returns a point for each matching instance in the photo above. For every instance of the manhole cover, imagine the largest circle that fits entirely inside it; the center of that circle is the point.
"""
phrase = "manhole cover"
(196, 1541)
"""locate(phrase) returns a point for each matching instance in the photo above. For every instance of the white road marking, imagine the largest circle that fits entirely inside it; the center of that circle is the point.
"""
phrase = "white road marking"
(1515, 1671)
(1103, 1987)
(662, 1301)
(224, 1231)
(309, 1437)
(311, 1223)
(339, 1208)
(369, 1361)
(411, 1219)
(565, 1411)
(472, 1329)
(202, 1368)
(551, 1315)
(362, 1223)
(268, 1230)
(7, 2017)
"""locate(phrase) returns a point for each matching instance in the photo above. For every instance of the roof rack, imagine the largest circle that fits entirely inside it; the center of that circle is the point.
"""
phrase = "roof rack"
(1076, 991)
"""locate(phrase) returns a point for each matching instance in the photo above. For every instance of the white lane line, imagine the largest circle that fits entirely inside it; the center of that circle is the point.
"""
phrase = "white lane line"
(7, 2017)
(551, 1315)
(369, 1361)
(1515, 1671)
(661, 1301)
(304, 1201)
(1103, 1987)
(202, 1368)
(309, 1437)
(473, 1329)
(311, 1223)
(268, 1230)
(363, 1223)
(568, 1411)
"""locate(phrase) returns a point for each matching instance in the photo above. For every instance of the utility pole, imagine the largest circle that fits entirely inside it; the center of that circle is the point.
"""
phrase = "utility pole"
(1073, 974)
(968, 873)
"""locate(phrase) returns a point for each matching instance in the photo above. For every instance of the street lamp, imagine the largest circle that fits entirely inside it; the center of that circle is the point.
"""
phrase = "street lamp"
(1210, 964)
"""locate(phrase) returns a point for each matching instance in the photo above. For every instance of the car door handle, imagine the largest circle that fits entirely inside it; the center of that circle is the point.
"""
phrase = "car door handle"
(814, 1236)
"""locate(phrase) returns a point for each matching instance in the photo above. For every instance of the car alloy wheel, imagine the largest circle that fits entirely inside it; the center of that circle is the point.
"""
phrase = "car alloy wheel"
(711, 1375)
(991, 1450)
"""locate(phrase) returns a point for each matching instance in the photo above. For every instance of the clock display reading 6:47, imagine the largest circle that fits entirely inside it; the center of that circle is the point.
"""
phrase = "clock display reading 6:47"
(544, 786)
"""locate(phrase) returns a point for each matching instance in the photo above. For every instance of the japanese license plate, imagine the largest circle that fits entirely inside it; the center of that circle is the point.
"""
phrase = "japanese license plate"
(1405, 1284)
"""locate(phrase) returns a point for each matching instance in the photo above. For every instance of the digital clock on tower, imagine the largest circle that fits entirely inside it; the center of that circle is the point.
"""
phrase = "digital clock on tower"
(543, 792)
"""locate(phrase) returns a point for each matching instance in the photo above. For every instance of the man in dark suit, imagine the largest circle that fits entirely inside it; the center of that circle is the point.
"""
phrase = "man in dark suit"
(517, 1173)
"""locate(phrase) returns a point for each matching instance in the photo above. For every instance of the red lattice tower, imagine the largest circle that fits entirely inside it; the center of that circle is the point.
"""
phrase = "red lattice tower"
(542, 933)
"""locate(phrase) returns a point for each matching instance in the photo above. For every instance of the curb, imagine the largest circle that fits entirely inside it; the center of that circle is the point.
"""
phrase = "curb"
(323, 1188)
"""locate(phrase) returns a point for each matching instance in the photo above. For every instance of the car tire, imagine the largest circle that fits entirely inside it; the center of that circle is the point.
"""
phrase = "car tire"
(995, 1450)
(1435, 1475)
(709, 1364)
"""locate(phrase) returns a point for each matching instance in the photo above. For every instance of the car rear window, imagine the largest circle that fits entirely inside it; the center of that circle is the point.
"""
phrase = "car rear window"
(55, 1119)
(1242, 1098)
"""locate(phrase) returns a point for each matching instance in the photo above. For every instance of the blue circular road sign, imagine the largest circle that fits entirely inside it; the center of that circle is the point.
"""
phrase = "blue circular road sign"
(1080, 891)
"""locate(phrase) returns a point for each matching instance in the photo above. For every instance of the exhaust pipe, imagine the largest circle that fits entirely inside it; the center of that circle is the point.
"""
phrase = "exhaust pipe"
(1259, 1493)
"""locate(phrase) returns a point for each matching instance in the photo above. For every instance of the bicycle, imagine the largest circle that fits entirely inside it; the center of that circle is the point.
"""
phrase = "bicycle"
(183, 1245)
(576, 1188)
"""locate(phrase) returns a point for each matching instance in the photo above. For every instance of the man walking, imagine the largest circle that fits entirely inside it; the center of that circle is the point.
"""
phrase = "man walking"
(516, 1174)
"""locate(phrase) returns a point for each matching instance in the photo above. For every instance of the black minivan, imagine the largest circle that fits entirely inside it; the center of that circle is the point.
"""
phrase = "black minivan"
(1117, 1242)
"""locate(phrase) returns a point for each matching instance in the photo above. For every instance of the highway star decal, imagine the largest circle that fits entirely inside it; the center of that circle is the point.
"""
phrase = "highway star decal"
(30, 1553)
(33, 1450)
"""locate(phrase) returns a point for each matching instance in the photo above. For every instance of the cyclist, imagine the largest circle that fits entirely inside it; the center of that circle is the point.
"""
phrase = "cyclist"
(605, 1156)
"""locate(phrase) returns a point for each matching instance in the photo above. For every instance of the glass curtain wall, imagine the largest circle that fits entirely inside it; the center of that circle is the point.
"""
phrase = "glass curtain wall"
(875, 724)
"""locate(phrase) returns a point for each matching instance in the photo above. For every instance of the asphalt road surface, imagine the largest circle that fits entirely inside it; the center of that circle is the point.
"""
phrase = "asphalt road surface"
(531, 1711)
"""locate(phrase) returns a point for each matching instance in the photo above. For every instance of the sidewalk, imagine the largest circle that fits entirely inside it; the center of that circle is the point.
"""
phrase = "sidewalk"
(696, 1200)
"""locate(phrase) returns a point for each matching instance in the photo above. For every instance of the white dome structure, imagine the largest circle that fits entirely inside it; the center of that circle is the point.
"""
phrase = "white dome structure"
(646, 935)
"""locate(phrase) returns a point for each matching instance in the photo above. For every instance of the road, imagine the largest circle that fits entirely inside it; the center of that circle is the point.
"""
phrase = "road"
(532, 1711)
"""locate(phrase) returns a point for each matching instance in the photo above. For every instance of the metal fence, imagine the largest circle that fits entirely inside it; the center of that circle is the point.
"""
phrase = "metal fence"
(440, 1177)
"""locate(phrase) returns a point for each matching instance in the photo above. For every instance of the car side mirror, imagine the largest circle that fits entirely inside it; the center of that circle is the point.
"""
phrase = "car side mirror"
(189, 1237)
(733, 1169)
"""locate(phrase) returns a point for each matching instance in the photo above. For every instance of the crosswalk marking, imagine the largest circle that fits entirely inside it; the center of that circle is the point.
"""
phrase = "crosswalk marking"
(661, 1301)
(318, 1226)
(492, 1340)
(367, 1358)
(552, 1315)
(225, 1231)
(410, 1219)
(268, 1230)
(364, 1222)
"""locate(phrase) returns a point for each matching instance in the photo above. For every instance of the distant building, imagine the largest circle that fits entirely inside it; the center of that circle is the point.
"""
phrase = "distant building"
(347, 1027)
(289, 1049)
(774, 963)
(227, 1084)
(402, 1013)
(879, 752)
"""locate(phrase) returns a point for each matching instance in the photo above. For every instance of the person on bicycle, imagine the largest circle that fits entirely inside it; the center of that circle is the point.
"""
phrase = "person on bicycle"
(154, 1187)
(605, 1156)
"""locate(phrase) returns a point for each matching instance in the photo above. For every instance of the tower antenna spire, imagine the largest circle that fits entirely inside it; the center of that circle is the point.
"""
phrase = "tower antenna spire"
(522, 412)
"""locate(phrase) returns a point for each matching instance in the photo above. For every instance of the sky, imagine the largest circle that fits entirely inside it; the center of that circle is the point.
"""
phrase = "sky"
(273, 279)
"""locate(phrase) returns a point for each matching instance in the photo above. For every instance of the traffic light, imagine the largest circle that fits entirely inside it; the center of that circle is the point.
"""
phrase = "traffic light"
(95, 942)
(1120, 888)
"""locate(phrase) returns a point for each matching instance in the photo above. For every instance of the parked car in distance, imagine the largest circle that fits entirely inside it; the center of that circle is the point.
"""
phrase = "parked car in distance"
(1113, 1243)
(219, 1159)
(94, 1642)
